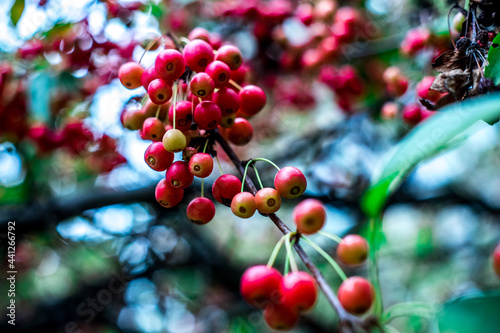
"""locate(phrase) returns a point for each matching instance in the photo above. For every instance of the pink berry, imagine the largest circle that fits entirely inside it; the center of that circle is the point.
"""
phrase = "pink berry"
(353, 250)
(153, 129)
(130, 75)
(225, 188)
(170, 65)
(227, 100)
(207, 115)
(159, 91)
(267, 200)
(147, 76)
(201, 165)
(201, 210)
(157, 157)
(178, 175)
(290, 182)
(252, 99)
(299, 291)
(230, 55)
(166, 195)
(259, 284)
(356, 295)
(424, 89)
(240, 133)
(243, 205)
(219, 72)
(183, 115)
(198, 54)
(199, 33)
(309, 216)
(202, 85)
(412, 114)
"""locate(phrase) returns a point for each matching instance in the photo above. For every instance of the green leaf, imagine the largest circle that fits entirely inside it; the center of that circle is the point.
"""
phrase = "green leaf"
(16, 11)
(441, 131)
(492, 71)
(471, 315)
(407, 310)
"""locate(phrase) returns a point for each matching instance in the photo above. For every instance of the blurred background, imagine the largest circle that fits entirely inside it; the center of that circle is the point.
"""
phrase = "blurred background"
(96, 253)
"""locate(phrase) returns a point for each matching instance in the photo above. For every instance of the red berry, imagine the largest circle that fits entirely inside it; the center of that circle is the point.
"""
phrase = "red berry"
(174, 141)
(252, 99)
(153, 129)
(225, 188)
(227, 100)
(198, 54)
(178, 175)
(130, 75)
(356, 295)
(279, 317)
(241, 132)
(299, 291)
(230, 55)
(267, 200)
(133, 119)
(170, 65)
(166, 195)
(290, 182)
(496, 260)
(183, 115)
(424, 89)
(243, 205)
(309, 216)
(201, 210)
(219, 72)
(259, 284)
(207, 115)
(227, 122)
(147, 76)
(353, 250)
(239, 75)
(201, 165)
(199, 33)
(412, 114)
(202, 85)
(157, 157)
(159, 91)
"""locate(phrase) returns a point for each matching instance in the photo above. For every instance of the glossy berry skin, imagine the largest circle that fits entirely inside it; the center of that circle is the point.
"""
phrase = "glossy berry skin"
(201, 165)
(424, 89)
(241, 132)
(153, 129)
(159, 91)
(166, 195)
(243, 205)
(252, 99)
(198, 54)
(157, 158)
(290, 182)
(201, 211)
(199, 33)
(412, 114)
(147, 76)
(225, 188)
(299, 291)
(227, 100)
(309, 216)
(178, 175)
(353, 250)
(496, 260)
(230, 55)
(207, 115)
(130, 75)
(202, 85)
(260, 283)
(170, 65)
(267, 200)
(279, 317)
(219, 72)
(227, 121)
(174, 141)
(133, 119)
(356, 294)
(183, 115)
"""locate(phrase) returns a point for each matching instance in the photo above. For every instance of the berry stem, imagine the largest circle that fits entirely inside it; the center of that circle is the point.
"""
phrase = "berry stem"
(218, 163)
(374, 227)
(235, 84)
(158, 111)
(287, 264)
(175, 102)
(245, 174)
(206, 145)
(331, 236)
(258, 177)
(268, 161)
(148, 47)
(293, 263)
(325, 255)
(275, 252)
